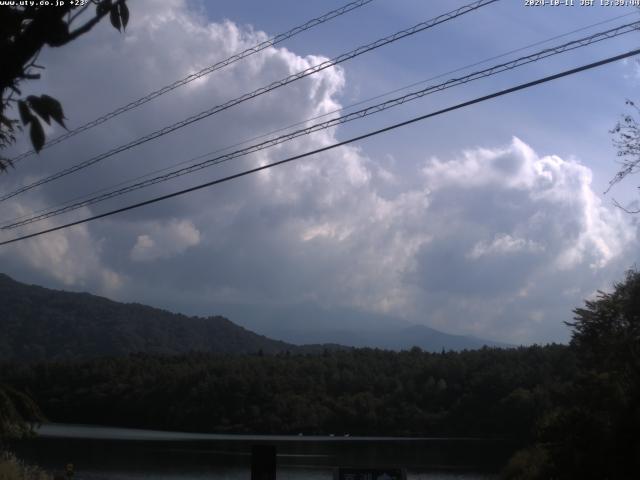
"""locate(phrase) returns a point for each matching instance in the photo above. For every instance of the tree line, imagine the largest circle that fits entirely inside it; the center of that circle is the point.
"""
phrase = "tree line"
(488, 392)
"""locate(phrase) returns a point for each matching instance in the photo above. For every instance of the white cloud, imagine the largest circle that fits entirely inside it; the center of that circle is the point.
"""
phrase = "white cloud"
(72, 257)
(503, 244)
(516, 230)
(165, 240)
(563, 206)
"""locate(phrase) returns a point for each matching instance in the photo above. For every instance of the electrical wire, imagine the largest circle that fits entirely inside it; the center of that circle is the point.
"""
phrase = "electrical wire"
(205, 71)
(484, 98)
(291, 78)
(303, 122)
(569, 46)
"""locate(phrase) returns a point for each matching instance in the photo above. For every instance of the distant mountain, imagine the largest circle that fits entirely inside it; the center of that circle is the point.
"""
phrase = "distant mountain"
(432, 340)
(313, 324)
(400, 338)
(41, 324)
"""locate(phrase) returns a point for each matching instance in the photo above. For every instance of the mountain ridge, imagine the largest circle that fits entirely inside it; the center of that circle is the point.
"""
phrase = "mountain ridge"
(45, 324)
(303, 323)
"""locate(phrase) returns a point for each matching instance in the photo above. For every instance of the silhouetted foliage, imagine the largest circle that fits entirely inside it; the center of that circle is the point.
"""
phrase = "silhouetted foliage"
(11, 468)
(593, 429)
(18, 413)
(24, 31)
(627, 141)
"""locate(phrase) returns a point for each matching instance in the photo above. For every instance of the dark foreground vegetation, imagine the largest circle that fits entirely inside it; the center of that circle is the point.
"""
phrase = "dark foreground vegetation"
(485, 392)
(574, 409)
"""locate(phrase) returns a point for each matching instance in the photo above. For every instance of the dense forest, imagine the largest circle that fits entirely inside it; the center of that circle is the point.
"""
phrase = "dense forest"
(483, 392)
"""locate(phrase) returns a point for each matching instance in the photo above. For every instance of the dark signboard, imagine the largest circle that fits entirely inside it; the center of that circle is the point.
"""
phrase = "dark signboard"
(263, 462)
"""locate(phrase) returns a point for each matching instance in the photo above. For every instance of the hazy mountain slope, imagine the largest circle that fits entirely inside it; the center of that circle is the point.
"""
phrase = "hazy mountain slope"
(310, 323)
(39, 323)
(401, 338)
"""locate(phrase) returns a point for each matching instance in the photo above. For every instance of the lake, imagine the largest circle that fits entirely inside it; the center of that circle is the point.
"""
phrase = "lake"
(106, 453)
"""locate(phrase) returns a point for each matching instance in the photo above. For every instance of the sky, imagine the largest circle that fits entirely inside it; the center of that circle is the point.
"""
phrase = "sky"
(488, 221)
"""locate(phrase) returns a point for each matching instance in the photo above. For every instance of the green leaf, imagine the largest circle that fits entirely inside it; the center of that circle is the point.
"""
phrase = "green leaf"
(115, 18)
(124, 13)
(37, 134)
(25, 114)
(38, 106)
(54, 108)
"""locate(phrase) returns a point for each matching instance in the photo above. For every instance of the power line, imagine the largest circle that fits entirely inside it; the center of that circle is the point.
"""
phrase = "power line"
(7, 223)
(466, 67)
(205, 71)
(380, 107)
(291, 78)
(500, 93)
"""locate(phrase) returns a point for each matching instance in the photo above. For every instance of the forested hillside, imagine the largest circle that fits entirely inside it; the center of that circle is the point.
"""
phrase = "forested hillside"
(42, 324)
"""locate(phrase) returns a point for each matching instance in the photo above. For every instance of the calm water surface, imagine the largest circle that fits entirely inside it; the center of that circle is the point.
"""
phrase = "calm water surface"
(105, 453)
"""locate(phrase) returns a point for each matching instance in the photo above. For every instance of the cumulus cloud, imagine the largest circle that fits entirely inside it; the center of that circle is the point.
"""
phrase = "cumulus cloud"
(166, 240)
(516, 229)
(105, 70)
(71, 257)
(547, 200)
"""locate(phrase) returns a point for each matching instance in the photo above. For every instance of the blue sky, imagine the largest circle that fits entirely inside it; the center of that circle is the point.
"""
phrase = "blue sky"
(488, 221)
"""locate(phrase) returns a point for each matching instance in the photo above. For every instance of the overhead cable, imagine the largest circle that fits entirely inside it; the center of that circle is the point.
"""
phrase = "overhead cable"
(303, 122)
(329, 147)
(205, 71)
(524, 60)
(231, 103)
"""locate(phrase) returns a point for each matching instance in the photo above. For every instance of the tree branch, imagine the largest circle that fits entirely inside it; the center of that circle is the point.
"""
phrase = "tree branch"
(78, 13)
(624, 209)
(84, 29)
(90, 24)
